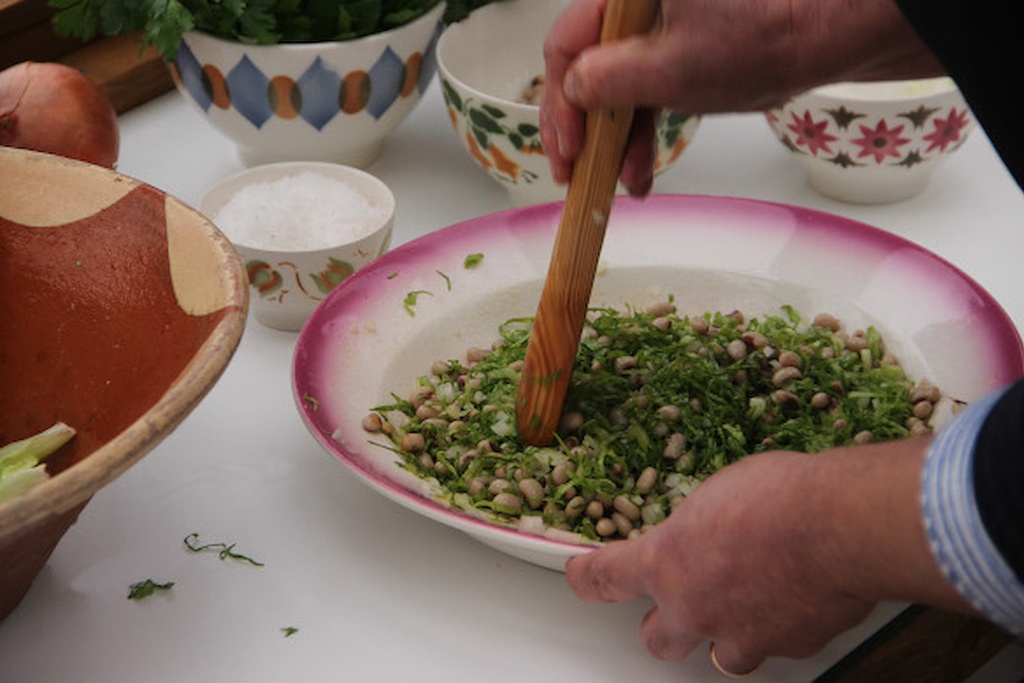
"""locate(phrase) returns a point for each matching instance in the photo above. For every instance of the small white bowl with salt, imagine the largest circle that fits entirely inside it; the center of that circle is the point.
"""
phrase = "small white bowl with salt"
(301, 229)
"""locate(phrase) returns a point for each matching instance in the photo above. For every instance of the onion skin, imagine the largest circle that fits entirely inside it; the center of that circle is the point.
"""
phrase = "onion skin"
(54, 108)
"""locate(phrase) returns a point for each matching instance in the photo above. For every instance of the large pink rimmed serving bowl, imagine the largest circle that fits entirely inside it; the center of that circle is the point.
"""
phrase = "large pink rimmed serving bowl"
(365, 342)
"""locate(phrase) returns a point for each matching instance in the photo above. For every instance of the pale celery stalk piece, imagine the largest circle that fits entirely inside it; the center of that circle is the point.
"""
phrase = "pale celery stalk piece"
(21, 466)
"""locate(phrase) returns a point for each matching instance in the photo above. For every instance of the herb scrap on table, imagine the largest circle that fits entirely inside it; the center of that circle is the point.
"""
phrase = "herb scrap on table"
(472, 260)
(144, 589)
(289, 631)
(224, 550)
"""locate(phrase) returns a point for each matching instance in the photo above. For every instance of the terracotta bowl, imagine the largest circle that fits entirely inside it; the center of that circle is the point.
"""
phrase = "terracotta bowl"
(121, 308)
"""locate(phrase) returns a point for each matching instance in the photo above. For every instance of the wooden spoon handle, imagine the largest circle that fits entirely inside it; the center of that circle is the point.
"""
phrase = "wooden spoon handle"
(565, 297)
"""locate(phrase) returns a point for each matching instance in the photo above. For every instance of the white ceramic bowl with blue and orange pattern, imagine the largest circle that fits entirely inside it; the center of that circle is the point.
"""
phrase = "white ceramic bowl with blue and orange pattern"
(877, 142)
(330, 101)
(486, 63)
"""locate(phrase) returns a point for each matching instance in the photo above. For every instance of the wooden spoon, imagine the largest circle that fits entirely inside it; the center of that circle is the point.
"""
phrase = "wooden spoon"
(565, 297)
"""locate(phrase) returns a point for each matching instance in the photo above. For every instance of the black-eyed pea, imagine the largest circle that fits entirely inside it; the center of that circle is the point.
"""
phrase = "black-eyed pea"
(828, 321)
(427, 411)
(624, 506)
(533, 492)
(669, 413)
(647, 480)
(412, 442)
(478, 485)
(925, 391)
(839, 424)
(623, 525)
(498, 486)
(373, 423)
(507, 502)
(571, 421)
(475, 354)
(754, 340)
(466, 458)
(736, 349)
(662, 323)
(700, 325)
(605, 527)
(696, 406)
(786, 374)
(923, 409)
(785, 399)
(426, 461)
(790, 359)
(594, 510)
(857, 342)
(661, 308)
(863, 437)
(569, 493)
(675, 446)
(575, 507)
(440, 368)
(820, 400)
(920, 428)
(560, 474)
(624, 364)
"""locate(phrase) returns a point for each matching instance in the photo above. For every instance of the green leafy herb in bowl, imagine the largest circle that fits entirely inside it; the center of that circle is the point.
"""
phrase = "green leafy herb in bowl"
(258, 22)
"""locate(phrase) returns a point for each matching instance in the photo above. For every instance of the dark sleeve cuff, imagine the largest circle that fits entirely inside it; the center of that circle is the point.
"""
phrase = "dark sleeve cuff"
(978, 42)
(998, 472)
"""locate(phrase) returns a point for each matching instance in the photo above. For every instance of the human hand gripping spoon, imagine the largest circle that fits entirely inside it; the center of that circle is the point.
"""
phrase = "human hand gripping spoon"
(565, 296)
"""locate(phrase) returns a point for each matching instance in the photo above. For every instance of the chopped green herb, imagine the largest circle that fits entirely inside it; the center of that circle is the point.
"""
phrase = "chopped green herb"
(392, 275)
(656, 404)
(447, 280)
(224, 550)
(144, 589)
(410, 300)
(473, 260)
(289, 631)
(314, 404)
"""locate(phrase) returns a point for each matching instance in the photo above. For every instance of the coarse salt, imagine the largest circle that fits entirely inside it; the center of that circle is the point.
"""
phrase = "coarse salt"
(299, 212)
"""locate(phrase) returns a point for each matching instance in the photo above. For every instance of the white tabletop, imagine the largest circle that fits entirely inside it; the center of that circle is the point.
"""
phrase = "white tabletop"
(376, 592)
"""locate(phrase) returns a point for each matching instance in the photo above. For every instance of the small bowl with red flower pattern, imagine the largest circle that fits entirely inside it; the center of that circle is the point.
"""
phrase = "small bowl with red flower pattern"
(873, 142)
(301, 228)
(491, 67)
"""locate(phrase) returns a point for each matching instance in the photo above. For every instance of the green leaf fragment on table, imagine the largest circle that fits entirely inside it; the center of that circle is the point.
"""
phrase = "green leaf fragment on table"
(289, 631)
(473, 260)
(21, 468)
(226, 551)
(144, 589)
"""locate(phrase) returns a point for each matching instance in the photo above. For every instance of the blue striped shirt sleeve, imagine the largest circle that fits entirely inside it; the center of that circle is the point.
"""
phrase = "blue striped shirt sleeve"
(959, 541)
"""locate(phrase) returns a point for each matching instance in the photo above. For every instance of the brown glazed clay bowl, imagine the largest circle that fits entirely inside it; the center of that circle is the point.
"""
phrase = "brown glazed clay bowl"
(121, 308)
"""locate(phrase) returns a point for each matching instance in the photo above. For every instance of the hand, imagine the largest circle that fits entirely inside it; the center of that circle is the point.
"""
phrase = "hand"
(707, 56)
(776, 555)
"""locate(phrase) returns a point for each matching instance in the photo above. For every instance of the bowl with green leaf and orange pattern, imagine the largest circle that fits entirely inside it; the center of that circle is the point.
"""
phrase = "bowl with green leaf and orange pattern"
(491, 67)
